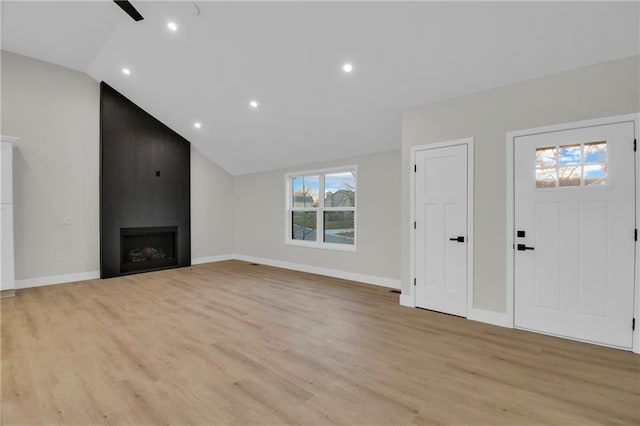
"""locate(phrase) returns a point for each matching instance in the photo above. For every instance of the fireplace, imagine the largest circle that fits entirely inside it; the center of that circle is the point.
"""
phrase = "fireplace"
(148, 248)
(145, 190)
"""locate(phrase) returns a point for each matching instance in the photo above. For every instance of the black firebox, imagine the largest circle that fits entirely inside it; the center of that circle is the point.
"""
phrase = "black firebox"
(148, 249)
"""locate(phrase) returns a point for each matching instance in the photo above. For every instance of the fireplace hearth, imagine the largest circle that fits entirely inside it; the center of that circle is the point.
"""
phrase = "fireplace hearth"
(148, 248)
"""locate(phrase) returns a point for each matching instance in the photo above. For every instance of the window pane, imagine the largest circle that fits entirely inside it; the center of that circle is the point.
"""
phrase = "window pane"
(595, 174)
(303, 226)
(305, 191)
(569, 176)
(338, 227)
(546, 178)
(545, 157)
(595, 152)
(569, 154)
(340, 190)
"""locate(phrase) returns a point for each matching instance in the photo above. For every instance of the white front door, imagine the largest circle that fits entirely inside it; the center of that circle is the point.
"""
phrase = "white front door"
(441, 229)
(574, 224)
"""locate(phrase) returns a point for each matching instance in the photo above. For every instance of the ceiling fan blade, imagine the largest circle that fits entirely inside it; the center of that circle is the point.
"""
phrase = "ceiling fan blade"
(129, 9)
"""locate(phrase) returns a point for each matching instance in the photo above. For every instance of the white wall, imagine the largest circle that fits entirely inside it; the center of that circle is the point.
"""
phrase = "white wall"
(259, 218)
(55, 112)
(606, 89)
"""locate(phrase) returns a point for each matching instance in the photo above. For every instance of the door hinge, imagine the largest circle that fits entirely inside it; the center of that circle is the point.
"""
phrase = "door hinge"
(635, 147)
(414, 281)
(635, 234)
(415, 168)
(414, 225)
(633, 324)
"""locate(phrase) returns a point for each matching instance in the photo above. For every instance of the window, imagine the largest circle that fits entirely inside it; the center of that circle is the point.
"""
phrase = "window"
(574, 165)
(321, 208)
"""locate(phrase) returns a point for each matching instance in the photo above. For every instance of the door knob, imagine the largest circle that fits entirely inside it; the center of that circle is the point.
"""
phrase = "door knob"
(458, 239)
(523, 247)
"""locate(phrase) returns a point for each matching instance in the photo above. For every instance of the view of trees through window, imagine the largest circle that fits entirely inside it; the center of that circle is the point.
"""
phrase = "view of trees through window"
(331, 217)
(578, 164)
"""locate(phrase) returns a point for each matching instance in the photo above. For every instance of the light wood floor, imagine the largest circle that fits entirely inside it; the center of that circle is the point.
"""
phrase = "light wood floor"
(233, 343)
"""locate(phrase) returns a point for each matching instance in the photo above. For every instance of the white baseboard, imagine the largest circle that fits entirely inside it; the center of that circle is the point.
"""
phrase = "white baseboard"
(407, 300)
(56, 279)
(351, 276)
(210, 259)
(7, 293)
(490, 317)
(81, 276)
(480, 315)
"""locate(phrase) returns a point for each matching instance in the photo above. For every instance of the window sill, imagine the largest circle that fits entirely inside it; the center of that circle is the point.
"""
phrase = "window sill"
(320, 245)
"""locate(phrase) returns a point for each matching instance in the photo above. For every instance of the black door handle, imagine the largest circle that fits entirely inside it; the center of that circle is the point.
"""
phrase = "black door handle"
(458, 239)
(523, 247)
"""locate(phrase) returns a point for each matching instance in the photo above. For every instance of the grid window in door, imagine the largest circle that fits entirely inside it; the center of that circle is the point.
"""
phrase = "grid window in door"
(572, 165)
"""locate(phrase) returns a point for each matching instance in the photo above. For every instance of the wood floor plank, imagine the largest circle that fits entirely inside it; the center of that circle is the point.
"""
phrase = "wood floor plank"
(235, 343)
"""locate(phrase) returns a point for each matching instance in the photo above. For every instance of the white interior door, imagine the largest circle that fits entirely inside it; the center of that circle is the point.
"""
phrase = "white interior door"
(441, 229)
(575, 224)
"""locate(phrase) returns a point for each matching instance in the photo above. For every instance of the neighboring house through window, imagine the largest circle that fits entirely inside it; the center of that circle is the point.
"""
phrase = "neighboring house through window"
(321, 208)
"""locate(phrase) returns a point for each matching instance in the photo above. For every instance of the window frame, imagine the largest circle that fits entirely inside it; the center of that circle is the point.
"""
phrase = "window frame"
(319, 243)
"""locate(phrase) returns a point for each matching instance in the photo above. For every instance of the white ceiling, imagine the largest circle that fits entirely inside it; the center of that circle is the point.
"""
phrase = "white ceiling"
(288, 56)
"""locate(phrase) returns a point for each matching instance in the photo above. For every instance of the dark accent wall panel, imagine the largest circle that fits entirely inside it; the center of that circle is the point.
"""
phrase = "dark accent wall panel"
(144, 179)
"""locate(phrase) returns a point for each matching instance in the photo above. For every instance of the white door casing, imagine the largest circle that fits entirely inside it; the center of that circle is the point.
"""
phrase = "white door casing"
(577, 281)
(441, 255)
(7, 269)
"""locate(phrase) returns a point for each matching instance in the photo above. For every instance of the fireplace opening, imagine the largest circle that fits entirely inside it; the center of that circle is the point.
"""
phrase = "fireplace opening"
(146, 249)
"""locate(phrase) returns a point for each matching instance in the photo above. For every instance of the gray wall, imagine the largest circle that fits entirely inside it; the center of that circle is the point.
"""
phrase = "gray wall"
(211, 208)
(259, 218)
(55, 113)
(600, 90)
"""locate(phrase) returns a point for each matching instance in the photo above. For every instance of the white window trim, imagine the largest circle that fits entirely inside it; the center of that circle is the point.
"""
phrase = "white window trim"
(320, 235)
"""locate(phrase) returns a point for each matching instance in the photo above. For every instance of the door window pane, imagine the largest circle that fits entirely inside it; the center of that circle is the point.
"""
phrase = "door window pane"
(546, 178)
(303, 225)
(569, 175)
(338, 227)
(305, 191)
(595, 174)
(340, 190)
(569, 154)
(545, 158)
(595, 152)
(595, 167)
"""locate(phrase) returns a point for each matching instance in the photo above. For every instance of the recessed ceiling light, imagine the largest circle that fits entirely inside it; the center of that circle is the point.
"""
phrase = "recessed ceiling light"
(197, 125)
(253, 104)
(126, 71)
(347, 67)
(172, 26)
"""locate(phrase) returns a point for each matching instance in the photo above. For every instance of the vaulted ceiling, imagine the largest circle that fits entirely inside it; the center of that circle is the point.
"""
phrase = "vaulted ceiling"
(288, 56)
